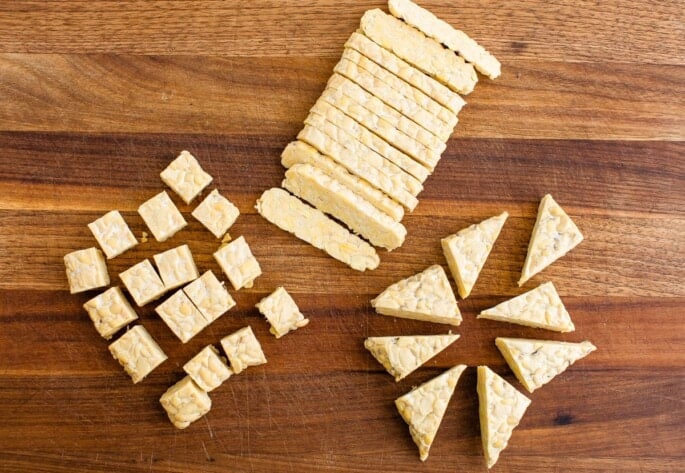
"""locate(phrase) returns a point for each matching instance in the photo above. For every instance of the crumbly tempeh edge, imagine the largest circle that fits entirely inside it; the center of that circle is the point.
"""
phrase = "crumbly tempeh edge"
(332, 197)
(298, 152)
(444, 33)
(311, 225)
(324, 144)
(416, 48)
(394, 64)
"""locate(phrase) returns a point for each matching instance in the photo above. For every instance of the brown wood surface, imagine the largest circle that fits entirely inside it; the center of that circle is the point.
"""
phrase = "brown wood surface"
(98, 96)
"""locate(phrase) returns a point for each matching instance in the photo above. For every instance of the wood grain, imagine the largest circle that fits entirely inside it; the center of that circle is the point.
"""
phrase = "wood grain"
(187, 94)
(99, 96)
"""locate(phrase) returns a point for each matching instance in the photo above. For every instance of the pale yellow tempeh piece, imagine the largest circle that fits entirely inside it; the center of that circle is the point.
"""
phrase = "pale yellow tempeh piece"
(539, 308)
(324, 110)
(311, 225)
(408, 107)
(401, 356)
(425, 296)
(298, 152)
(424, 407)
(537, 362)
(350, 141)
(357, 166)
(553, 236)
(383, 120)
(416, 48)
(444, 33)
(332, 197)
(373, 104)
(406, 90)
(500, 408)
(467, 250)
(406, 72)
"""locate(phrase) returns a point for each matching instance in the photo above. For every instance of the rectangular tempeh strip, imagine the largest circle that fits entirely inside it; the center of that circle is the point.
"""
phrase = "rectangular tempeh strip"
(298, 152)
(415, 96)
(373, 104)
(393, 129)
(406, 72)
(324, 110)
(332, 197)
(357, 166)
(407, 106)
(311, 225)
(416, 48)
(399, 176)
(444, 33)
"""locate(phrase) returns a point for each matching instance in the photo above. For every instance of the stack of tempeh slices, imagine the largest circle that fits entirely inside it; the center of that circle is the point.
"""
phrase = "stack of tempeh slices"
(376, 133)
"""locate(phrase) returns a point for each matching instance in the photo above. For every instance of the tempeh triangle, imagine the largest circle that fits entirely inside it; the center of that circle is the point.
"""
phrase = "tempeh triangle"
(400, 356)
(539, 308)
(501, 408)
(425, 296)
(537, 362)
(553, 236)
(467, 250)
(423, 408)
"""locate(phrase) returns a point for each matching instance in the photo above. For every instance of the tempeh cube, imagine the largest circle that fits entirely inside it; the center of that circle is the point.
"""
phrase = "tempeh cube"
(143, 282)
(86, 270)
(210, 296)
(185, 176)
(208, 369)
(238, 263)
(137, 352)
(182, 317)
(176, 266)
(185, 402)
(243, 349)
(216, 213)
(282, 312)
(113, 234)
(162, 216)
(110, 312)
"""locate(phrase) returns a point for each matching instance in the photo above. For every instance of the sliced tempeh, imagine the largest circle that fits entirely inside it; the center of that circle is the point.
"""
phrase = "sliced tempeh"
(324, 110)
(467, 250)
(425, 296)
(406, 105)
(416, 48)
(416, 97)
(384, 121)
(539, 308)
(298, 152)
(332, 197)
(501, 408)
(444, 33)
(354, 164)
(424, 407)
(311, 225)
(537, 362)
(406, 72)
(553, 236)
(368, 155)
(401, 356)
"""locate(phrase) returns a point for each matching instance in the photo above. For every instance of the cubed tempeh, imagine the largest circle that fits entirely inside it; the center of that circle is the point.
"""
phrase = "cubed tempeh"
(408, 106)
(332, 197)
(298, 152)
(444, 33)
(313, 226)
(371, 140)
(319, 140)
(416, 48)
(406, 72)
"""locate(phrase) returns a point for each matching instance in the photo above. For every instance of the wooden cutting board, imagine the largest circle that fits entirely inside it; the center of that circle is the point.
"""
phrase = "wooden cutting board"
(97, 97)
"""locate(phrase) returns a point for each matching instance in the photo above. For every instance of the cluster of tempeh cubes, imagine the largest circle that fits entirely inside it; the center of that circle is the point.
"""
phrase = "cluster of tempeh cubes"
(428, 296)
(376, 133)
(198, 300)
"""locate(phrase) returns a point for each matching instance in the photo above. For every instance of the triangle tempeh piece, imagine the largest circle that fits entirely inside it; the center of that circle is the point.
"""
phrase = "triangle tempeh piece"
(467, 250)
(553, 236)
(400, 356)
(425, 296)
(537, 362)
(501, 408)
(539, 308)
(424, 407)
